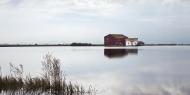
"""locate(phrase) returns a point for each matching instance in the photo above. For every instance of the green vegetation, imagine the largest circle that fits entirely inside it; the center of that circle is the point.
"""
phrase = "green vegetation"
(140, 43)
(52, 82)
(80, 44)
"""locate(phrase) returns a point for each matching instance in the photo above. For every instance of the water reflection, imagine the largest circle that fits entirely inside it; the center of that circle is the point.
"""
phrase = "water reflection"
(155, 71)
(119, 53)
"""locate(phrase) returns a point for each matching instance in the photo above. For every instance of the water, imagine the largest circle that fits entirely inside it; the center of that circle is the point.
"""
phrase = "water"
(112, 71)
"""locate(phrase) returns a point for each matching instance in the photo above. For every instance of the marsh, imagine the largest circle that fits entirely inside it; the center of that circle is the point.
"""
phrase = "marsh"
(153, 70)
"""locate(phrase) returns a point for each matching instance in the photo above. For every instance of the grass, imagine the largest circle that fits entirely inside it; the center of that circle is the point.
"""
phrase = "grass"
(52, 82)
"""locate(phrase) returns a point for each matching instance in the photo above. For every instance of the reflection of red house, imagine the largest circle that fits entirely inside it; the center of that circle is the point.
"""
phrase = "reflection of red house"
(115, 40)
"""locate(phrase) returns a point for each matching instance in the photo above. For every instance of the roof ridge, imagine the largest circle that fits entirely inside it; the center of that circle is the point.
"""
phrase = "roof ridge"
(117, 35)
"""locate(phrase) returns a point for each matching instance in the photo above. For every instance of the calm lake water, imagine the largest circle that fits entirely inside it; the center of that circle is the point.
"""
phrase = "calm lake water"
(156, 70)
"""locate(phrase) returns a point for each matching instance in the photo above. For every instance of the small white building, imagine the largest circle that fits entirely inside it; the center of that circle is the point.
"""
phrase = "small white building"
(131, 41)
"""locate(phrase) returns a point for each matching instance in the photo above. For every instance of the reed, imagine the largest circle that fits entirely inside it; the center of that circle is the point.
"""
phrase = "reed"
(52, 82)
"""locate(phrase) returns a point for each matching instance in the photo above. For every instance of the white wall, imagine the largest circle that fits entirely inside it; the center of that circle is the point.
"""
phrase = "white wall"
(131, 43)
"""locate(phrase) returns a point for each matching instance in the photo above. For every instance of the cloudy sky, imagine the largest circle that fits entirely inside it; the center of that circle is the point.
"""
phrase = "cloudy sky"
(65, 21)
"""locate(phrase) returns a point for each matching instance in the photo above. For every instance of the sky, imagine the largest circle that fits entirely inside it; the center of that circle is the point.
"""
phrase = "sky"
(66, 21)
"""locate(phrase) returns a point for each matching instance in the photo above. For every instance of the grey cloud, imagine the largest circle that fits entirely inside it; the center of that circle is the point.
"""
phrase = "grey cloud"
(87, 7)
(123, 15)
(15, 2)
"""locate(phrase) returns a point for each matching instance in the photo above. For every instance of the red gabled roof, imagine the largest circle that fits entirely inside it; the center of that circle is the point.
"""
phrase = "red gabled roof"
(117, 35)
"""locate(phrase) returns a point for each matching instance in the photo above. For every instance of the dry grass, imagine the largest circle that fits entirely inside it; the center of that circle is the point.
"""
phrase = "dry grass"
(53, 81)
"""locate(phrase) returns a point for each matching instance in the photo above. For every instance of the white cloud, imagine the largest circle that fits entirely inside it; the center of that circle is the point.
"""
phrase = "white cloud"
(87, 7)
(53, 7)
(102, 16)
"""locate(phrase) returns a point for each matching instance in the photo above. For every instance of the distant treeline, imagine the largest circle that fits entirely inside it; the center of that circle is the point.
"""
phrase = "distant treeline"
(36, 45)
(167, 44)
(81, 44)
(140, 43)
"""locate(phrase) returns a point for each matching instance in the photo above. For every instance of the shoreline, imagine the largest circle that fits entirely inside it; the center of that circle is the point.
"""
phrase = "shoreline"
(61, 45)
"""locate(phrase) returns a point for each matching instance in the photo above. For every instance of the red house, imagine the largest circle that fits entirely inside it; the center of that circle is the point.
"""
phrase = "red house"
(115, 40)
